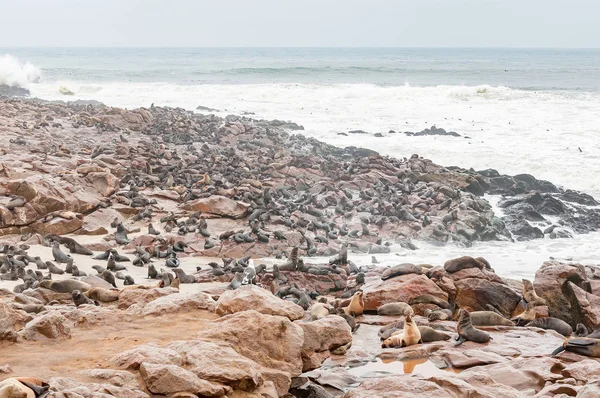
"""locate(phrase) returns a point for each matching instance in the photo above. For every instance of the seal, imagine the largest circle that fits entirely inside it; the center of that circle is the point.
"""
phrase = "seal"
(236, 281)
(529, 294)
(320, 310)
(467, 332)
(437, 315)
(429, 299)
(526, 316)
(65, 286)
(398, 308)
(102, 295)
(386, 331)
(53, 269)
(356, 306)
(581, 330)
(183, 277)
(152, 272)
(429, 334)
(109, 277)
(489, 318)
(71, 244)
(80, 299)
(586, 346)
(175, 283)
(457, 264)
(401, 269)
(555, 324)
(410, 335)
(112, 265)
(59, 255)
(121, 235)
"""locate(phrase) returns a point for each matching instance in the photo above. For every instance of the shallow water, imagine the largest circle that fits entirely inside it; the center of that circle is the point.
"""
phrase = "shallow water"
(378, 367)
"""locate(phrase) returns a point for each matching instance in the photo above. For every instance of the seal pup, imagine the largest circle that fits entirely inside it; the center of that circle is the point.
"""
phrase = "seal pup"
(529, 294)
(236, 282)
(69, 267)
(401, 269)
(59, 255)
(357, 304)
(586, 346)
(428, 334)
(249, 274)
(581, 330)
(398, 308)
(173, 261)
(429, 299)
(410, 335)
(40, 264)
(53, 269)
(121, 235)
(526, 316)
(77, 272)
(128, 281)
(489, 318)
(349, 320)
(152, 272)
(555, 324)
(112, 265)
(109, 277)
(80, 299)
(467, 332)
(152, 231)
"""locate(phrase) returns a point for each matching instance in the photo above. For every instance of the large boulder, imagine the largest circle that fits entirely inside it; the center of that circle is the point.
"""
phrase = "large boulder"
(218, 206)
(63, 387)
(52, 325)
(475, 294)
(17, 217)
(13, 388)
(10, 322)
(398, 387)
(401, 288)
(551, 284)
(252, 297)
(171, 379)
(133, 358)
(585, 305)
(180, 302)
(103, 182)
(219, 363)
(272, 341)
(129, 297)
(57, 226)
(322, 336)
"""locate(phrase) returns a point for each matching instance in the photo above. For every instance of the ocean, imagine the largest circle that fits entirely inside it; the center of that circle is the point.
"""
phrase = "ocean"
(531, 111)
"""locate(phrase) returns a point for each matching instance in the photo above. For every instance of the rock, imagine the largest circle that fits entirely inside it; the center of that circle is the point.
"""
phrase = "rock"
(57, 226)
(475, 294)
(128, 297)
(5, 369)
(132, 359)
(51, 325)
(400, 386)
(104, 183)
(169, 379)
(13, 388)
(10, 322)
(219, 363)
(13, 91)
(89, 315)
(119, 378)
(252, 297)
(401, 288)
(586, 306)
(551, 281)
(323, 335)
(218, 206)
(583, 371)
(46, 295)
(62, 387)
(272, 341)
(179, 302)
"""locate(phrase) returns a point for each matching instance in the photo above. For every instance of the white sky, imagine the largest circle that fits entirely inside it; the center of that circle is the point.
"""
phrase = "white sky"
(310, 23)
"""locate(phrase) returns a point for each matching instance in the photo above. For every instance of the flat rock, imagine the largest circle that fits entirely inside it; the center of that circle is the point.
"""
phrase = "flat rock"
(251, 297)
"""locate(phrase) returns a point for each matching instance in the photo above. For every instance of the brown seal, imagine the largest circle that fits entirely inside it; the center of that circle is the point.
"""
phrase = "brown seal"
(80, 299)
(65, 286)
(529, 294)
(398, 308)
(357, 305)
(401, 269)
(320, 310)
(429, 299)
(555, 324)
(437, 315)
(429, 334)
(580, 345)
(526, 316)
(102, 295)
(410, 335)
(457, 264)
(467, 332)
(489, 318)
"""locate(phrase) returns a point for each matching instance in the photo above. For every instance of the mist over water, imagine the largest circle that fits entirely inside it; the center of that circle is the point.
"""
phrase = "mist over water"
(518, 111)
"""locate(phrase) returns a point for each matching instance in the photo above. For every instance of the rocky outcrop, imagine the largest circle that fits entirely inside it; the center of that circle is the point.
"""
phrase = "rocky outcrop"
(171, 379)
(252, 297)
(141, 297)
(218, 206)
(132, 359)
(401, 288)
(179, 302)
(321, 337)
(52, 325)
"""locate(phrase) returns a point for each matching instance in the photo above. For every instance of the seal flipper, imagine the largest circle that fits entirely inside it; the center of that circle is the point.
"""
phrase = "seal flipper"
(460, 340)
(40, 391)
(557, 351)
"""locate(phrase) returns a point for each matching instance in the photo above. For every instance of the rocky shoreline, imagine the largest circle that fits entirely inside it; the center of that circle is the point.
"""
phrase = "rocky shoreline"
(198, 235)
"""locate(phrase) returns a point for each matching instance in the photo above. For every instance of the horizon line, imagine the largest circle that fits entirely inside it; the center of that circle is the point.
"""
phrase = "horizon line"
(307, 47)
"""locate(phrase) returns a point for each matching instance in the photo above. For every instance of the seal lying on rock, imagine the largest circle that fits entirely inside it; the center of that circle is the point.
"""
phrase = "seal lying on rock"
(461, 263)
(526, 316)
(80, 299)
(429, 299)
(555, 324)
(320, 310)
(410, 335)
(466, 331)
(489, 318)
(398, 308)
(580, 345)
(65, 286)
(102, 295)
(401, 269)
(437, 315)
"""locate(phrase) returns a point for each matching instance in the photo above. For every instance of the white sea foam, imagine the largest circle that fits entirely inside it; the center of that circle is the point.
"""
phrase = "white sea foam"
(15, 73)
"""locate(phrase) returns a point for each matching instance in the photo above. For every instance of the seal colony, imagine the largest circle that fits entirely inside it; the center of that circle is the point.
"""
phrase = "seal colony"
(133, 203)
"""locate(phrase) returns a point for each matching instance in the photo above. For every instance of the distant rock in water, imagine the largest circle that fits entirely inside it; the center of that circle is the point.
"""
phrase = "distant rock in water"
(10, 91)
(65, 91)
(357, 132)
(206, 109)
(432, 131)
(285, 125)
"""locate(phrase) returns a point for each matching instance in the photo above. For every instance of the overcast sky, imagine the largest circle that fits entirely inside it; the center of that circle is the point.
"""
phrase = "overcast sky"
(239, 23)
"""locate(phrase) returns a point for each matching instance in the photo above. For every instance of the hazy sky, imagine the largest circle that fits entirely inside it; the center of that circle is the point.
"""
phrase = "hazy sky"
(395, 23)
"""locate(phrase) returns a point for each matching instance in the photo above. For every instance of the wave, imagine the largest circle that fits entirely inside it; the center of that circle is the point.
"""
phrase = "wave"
(18, 74)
